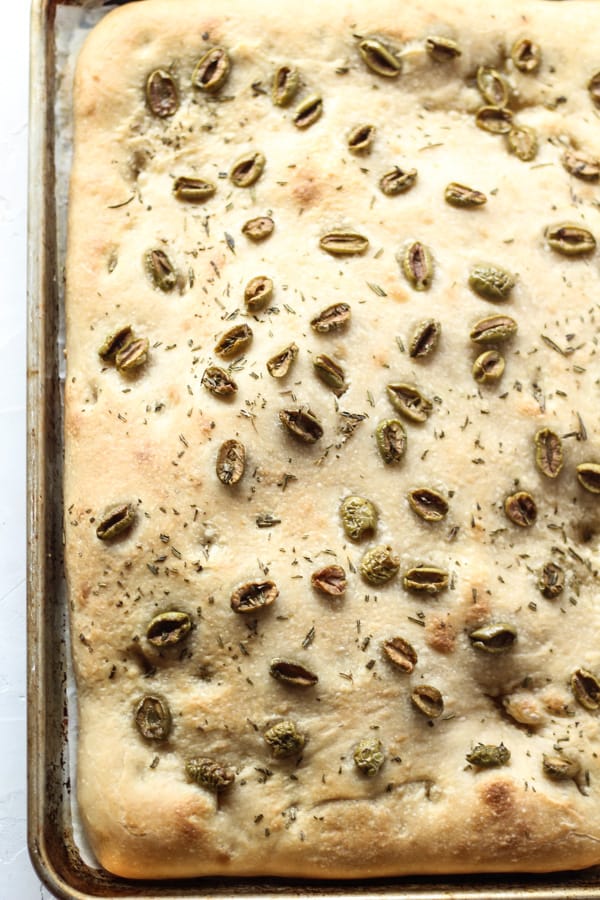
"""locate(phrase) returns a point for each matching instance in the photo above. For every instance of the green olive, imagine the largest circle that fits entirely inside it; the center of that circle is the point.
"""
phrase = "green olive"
(379, 58)
(494, 638)
(359, 517)
(212, 70)
(368, 756)
(168, 628)
(428, 700)
(209, 773)
(379, 565)
(488, 755)
(284, 739)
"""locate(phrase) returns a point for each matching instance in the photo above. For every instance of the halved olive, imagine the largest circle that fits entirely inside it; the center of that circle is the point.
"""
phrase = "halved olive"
(231, 461)
(491, 282)
(193, 190)
(391, 440)
(152, 718)
(495, 119)
(521, 509)
(344, 243)
(560, 767)
(209, 773)
(218, 382)
(332, 318)
(588, 476)
(330, 580)
(308, 112)
(360, 139)
(486, 756)
(161, 93)
(247, 170)
(254, 595)
(292, 673)
(417, 265)
(161, 270)
(133, 355)
(379, 565)
(570, 239)
(427, 579)
(526, 55)
(330, 373)
(442, 49)
(428, 700)
(379, 58)
(368, 756)
(397, 181)
(279, 365)
(523, 142)
(301, 424)
(493, 86)
(424, 339)
(586, 688)
(428, 504)
(258, 292)
(168, 628)
(409, 401)
(116, 521)
(212, 70)
(495, 638)
(548, 452)
(552, 580)
(285, 85)
(401, 653)
(235, 341)
(463, 197)
(115, 342)
(284, 739)
(359, 517)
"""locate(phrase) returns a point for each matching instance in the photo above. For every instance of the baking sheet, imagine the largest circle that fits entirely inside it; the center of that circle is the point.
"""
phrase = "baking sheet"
(57, 843)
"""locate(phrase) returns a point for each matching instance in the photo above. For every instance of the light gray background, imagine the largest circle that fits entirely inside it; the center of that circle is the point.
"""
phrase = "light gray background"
(17, 878)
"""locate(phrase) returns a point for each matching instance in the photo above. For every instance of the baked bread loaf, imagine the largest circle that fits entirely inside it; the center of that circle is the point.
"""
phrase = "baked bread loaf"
(332, 471)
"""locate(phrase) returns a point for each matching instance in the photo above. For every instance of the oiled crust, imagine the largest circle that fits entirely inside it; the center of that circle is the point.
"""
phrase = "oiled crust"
(152, 440)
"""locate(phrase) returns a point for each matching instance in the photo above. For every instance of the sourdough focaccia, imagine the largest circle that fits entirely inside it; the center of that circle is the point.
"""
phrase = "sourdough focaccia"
(332, 466)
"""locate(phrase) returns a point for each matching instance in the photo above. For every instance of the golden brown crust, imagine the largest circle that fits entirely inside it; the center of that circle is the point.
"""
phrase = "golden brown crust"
(150, 439)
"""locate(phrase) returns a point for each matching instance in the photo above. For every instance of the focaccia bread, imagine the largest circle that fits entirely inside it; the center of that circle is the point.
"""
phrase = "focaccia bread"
(332, 473)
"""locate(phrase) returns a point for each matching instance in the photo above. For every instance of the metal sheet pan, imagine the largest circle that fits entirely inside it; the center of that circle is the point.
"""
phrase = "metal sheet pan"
(55, 842)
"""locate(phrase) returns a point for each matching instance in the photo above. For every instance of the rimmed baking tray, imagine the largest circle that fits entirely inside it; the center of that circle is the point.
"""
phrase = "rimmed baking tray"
(57, 849)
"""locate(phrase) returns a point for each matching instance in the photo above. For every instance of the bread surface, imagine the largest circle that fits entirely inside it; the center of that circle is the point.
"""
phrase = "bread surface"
(146, 440)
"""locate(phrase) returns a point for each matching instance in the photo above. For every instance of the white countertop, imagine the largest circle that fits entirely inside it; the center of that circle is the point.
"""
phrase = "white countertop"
(18, 880)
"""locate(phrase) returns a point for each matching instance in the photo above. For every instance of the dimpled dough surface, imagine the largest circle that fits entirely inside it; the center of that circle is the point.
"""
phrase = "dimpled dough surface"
(149, 437)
